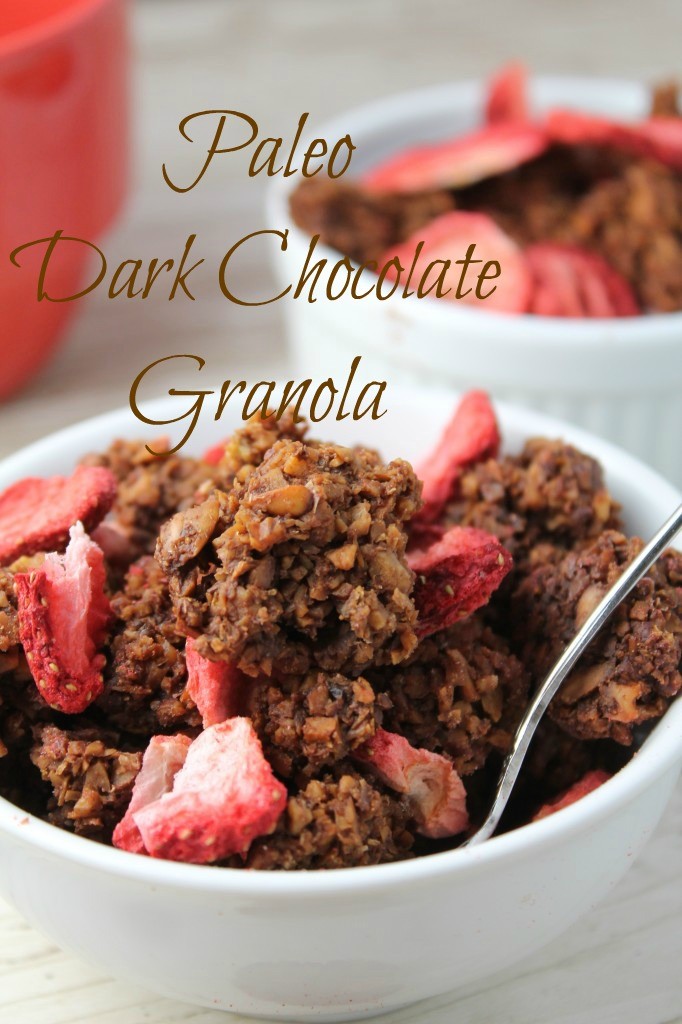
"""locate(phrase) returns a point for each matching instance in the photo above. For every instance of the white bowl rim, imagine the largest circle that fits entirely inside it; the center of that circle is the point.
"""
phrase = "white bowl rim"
(658, 755)
(536, 331)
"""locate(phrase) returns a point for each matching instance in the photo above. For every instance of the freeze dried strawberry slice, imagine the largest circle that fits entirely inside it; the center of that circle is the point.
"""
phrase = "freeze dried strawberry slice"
(574, 127)
(664, 137)
(455, 576)
(216, 687)
(63, 617)
(572, 282)
(36, 514)
(449, 237)
(430, 782)
(163, 759)
(507, 99)
(659, 138)
(213, 455)
(589, 782)
(223, 797)
(471, 436)
(459, 162)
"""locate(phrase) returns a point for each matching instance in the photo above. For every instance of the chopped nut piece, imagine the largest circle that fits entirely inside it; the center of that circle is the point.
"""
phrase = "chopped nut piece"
(293, 500)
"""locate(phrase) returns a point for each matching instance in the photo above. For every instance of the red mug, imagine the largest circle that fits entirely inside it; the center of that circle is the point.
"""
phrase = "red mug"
(63, 159)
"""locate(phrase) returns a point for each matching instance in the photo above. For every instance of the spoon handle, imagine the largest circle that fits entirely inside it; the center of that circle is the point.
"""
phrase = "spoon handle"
(536, 709)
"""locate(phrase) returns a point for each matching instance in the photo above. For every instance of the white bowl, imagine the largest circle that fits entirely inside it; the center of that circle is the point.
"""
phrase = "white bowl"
(346, 943)
(620, 378)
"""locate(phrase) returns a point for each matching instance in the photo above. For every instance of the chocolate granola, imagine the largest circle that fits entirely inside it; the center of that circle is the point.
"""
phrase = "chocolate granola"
(333, 823)
(632, 670)
(301, 566)
(9, 622)
(145, 680)
(634, 220)
(150, 489)
(312, 721)
(91, 779)
(611, 190)
(461, 693)
(359, 738)
(540, 503)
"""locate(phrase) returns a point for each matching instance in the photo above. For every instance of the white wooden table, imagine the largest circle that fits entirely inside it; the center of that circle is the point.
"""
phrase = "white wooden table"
(273, 60)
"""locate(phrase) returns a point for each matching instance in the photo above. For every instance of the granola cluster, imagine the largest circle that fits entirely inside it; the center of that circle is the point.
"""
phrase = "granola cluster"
(539, 503)
(149, 490)
(91, 779)
(301, 566)
(461, 693)
(312, 721)
(632, 669)
(145, 684)
(336, 823)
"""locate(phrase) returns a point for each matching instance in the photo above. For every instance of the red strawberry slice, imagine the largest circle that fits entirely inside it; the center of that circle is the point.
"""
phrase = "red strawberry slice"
(163, 759)
(572, 282)
(63, 618)
(574, 127)
(507, 99)
(659, 138)
(213, 455)
(216, 687)
(459, 162)
(589, 782)
(37, 514)
(223, 797)
(471, 436)
(664, 136)
(429, 780)
(448, 238)
(455, 576)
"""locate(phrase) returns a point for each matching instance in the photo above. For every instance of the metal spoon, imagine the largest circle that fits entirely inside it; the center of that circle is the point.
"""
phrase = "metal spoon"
(537, 707)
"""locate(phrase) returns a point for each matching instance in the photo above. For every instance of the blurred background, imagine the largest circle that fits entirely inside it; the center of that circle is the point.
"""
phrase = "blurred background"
(275, 59)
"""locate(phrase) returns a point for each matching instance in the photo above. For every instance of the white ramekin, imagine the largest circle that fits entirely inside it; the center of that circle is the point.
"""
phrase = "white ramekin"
(335, 945)
(621, 377)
